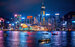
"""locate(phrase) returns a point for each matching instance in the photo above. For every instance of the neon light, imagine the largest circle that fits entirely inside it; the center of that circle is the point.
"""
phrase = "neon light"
(47, 14)
(23, 17)
(73, 21)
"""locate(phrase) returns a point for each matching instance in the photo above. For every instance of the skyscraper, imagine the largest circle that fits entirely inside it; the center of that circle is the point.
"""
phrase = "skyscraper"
(42, 16)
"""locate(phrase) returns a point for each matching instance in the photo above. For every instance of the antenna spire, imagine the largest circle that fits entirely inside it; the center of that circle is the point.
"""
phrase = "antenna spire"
(42, 2)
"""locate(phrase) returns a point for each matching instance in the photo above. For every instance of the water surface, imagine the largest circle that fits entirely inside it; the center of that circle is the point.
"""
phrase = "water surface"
(30, 39)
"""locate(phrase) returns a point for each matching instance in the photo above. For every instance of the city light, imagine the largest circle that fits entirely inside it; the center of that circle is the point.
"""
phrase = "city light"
(29, 17)
(23, 17)
(16, 22)
(12, 24)
(8, 22)
(15, 15)
(24, 25)
(21, 24)
(65, 23)
(43, 15)
(73, 21)
(43, 12)
(57, 14)
(43, 7)
(47, 14)
(0, 21)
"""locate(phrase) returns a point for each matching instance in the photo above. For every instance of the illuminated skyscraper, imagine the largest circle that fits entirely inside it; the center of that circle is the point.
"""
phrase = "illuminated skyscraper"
(42, 16)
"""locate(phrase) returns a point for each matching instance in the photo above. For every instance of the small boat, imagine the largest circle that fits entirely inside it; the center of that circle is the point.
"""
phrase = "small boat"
(54, 33)
(44, 40)
(43, 37)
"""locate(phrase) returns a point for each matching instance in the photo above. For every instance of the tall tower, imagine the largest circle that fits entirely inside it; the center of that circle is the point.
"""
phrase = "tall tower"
(42, 16)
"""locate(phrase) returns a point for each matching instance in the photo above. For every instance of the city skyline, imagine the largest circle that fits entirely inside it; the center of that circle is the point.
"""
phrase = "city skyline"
(37, 23)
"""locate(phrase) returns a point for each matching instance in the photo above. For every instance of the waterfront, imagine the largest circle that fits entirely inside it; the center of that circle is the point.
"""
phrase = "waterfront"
(30, 39)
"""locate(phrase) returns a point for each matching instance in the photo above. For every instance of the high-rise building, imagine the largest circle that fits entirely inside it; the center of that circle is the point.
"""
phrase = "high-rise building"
(57, 22)
(35, 20)
(70, 18)
(42, 16)
(17, 20)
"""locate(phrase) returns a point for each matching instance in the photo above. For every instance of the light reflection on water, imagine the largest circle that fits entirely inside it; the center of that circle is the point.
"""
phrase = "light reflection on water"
(1, 39)
(73, 39)
(30, 39)
(56, 40)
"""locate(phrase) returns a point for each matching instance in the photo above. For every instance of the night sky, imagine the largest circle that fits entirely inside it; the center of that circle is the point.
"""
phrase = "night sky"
(33, 7)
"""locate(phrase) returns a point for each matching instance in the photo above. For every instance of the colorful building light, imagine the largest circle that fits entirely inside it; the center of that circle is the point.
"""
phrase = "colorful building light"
(57, 14)
(15, 15)
(23, 17)
(29, 17)
(21, 24)
(9, 24)
(43, 12)
(24, 25)
(47, 14)
(73, 21)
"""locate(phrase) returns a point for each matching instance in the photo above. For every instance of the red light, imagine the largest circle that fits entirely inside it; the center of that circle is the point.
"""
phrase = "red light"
(29, 17)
